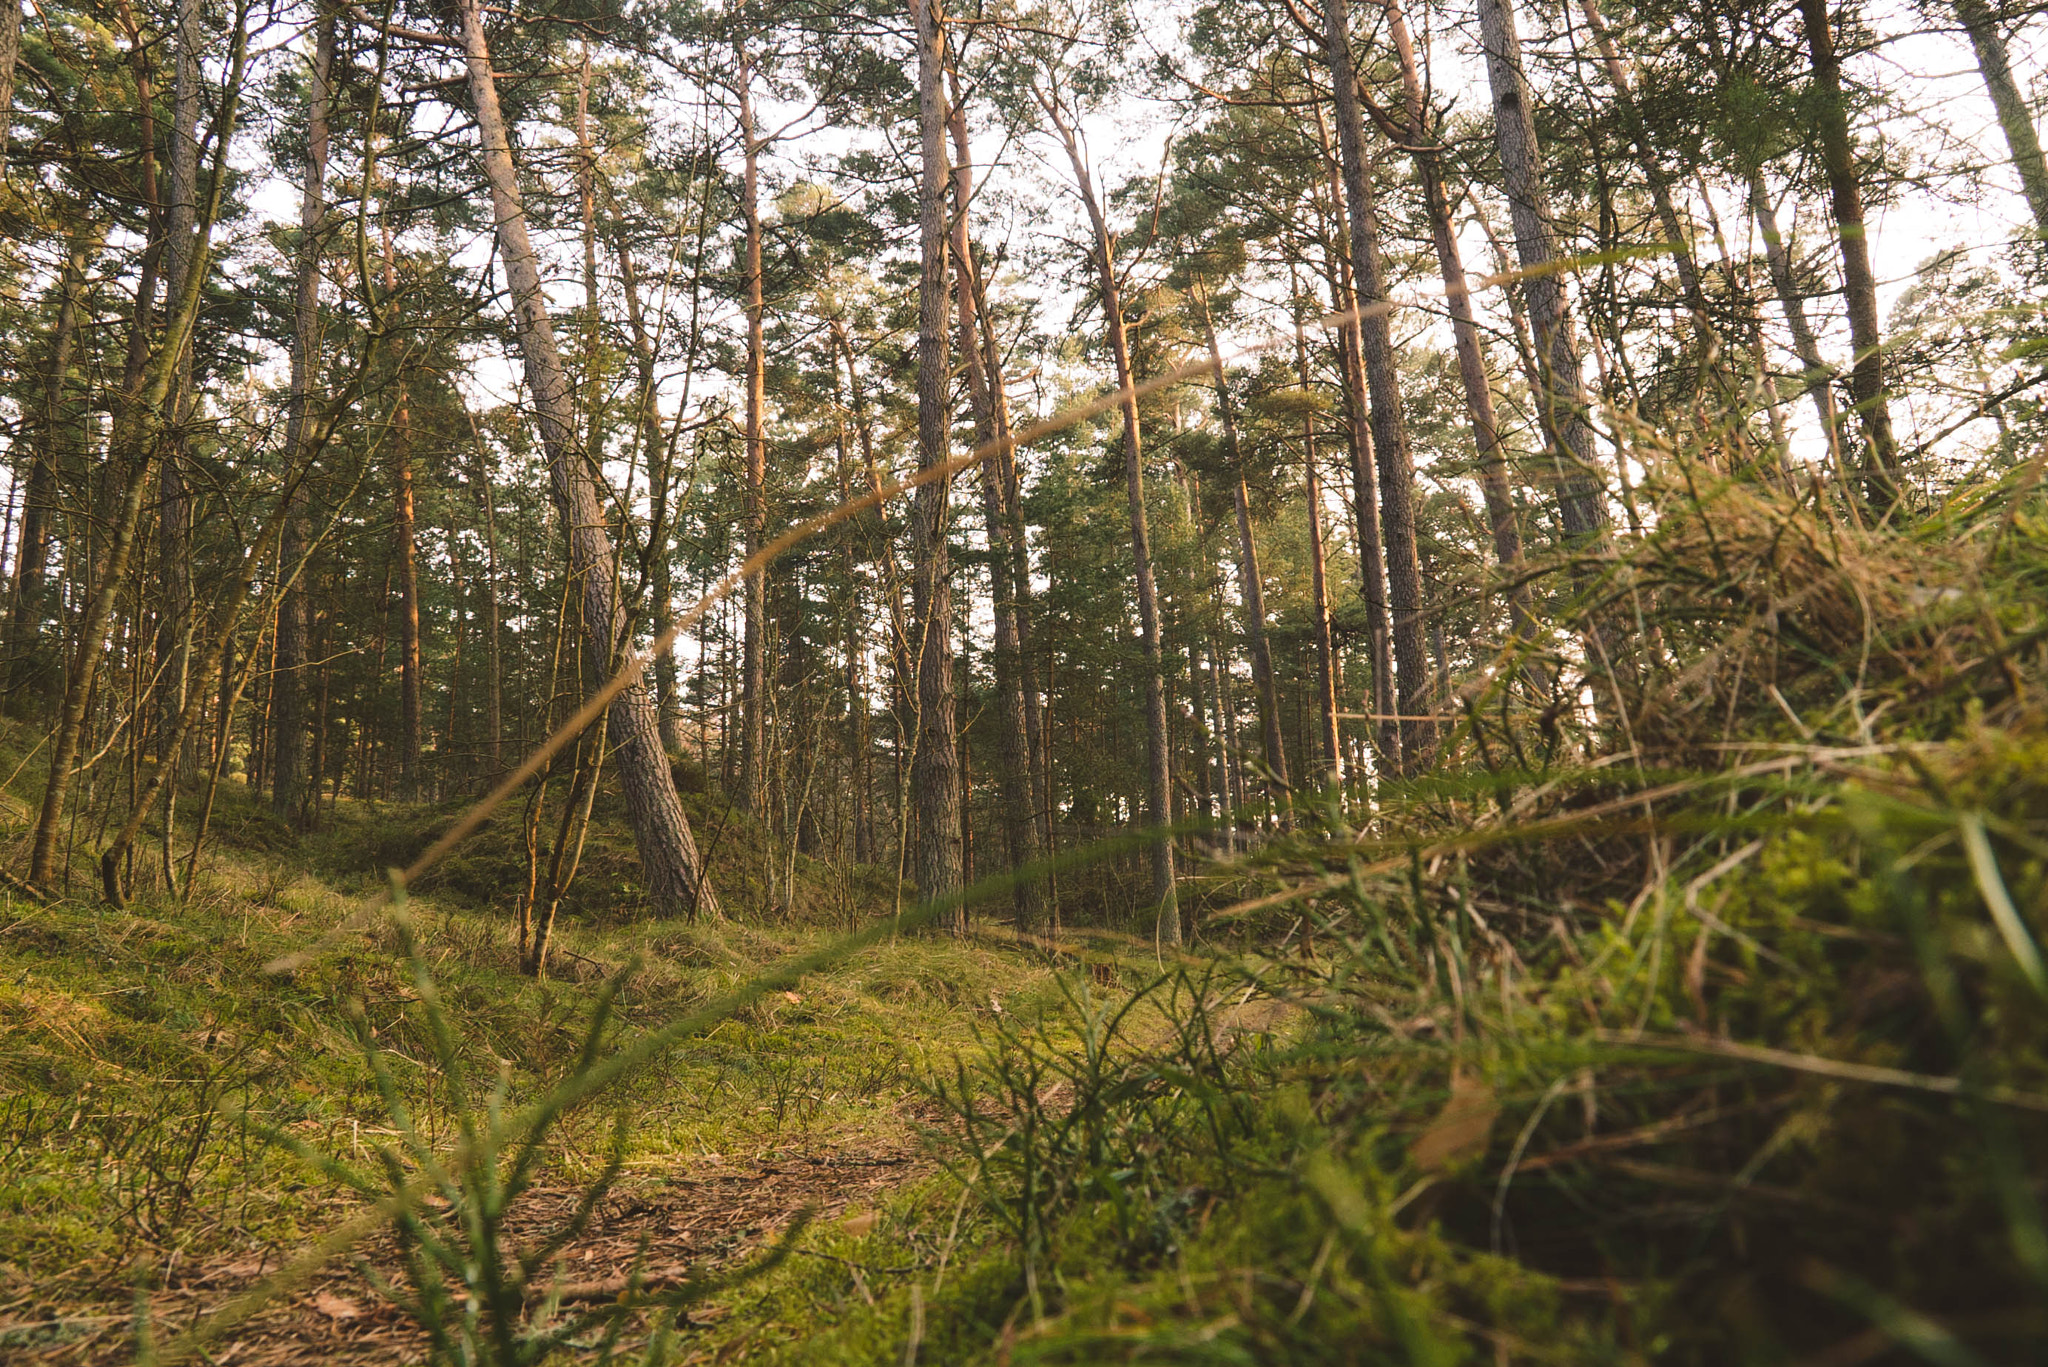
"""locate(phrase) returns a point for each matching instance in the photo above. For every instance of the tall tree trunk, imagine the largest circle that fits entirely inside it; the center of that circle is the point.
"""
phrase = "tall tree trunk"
(1880, 463)
(404, 552)
(1383, 381)
(2014, 116)
(676, 878)
(1472, 375)
(936, 771)
(1365, 484)
(1018, 542)
(754, 679)
(1251, 587)
(856, 735)
(888, 586)
(287, 726)
(1561, 397)
(174, 514)
(142, 321)
(1158, 761)
(1319, 587)
(1022, 831)
(659, 459)
(10, 53)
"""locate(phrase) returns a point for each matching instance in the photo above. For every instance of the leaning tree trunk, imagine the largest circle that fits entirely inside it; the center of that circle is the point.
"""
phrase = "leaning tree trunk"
(135, 441)
(2014, 116)
(1018, 542)
(1817, 375)
(39, 499)
(1880, 464)
(1023, 831)
(1158, 763)
(227, 620)
(935, 775)
(1676, 237)
(676, 878)
(1562, 404)
(1383, 380)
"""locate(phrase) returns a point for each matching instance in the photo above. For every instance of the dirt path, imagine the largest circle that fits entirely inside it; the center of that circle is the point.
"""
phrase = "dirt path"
(693, 1219)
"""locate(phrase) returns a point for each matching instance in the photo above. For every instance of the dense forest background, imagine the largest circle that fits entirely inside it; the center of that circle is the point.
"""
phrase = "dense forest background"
(1444, 601)
(316, 343)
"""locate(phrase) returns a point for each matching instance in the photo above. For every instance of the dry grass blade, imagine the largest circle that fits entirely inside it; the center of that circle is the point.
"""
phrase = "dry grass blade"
(1822, 1067)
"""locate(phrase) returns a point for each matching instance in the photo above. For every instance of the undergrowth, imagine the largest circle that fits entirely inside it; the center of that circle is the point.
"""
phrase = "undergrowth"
(1704, 1024)
(1690, 1008)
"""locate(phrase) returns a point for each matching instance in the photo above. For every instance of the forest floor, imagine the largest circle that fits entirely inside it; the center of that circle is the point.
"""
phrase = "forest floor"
(146, 1055)
(696, 1217)
(1735, 1053)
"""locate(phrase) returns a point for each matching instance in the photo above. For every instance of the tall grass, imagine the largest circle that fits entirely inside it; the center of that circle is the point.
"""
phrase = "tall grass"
(1701, 1018)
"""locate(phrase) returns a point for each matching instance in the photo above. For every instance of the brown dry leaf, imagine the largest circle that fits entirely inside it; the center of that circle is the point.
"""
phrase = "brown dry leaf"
(1460, 1128)
(335, 1307)
(860, 1224)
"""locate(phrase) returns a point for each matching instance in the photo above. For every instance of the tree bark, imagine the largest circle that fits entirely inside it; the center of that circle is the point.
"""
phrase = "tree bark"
(1561, 397)
(2014, 117)
(676, 878)
(1880, 462)
(1383, 381)
(10, 54)
(1158, 761)
(935, 779)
